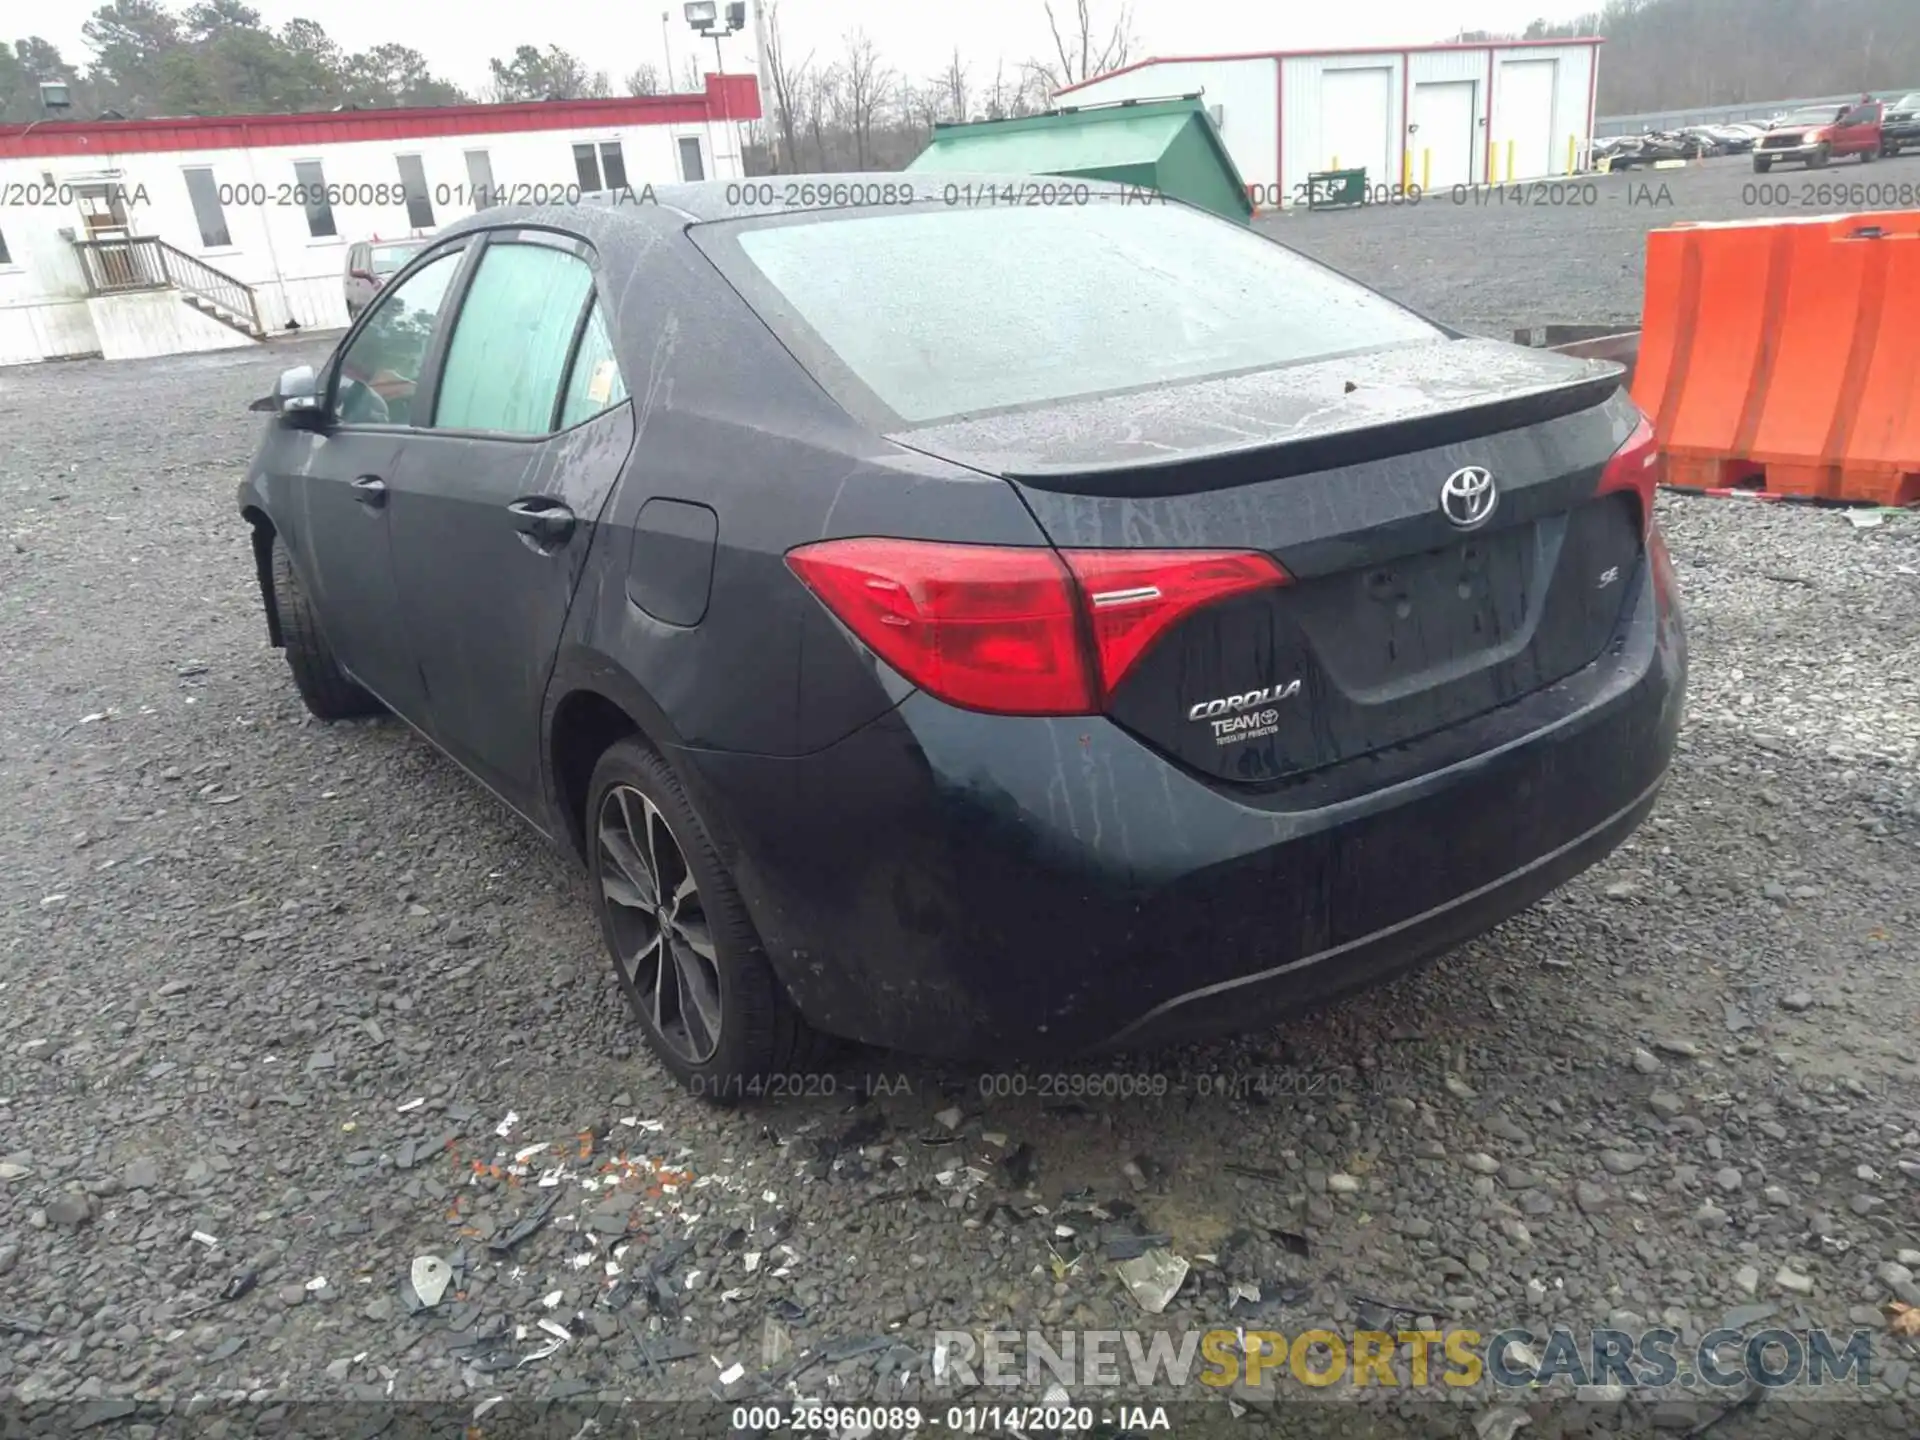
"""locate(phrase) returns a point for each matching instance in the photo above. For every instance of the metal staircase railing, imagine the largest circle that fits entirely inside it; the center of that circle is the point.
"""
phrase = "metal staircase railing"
(146, 262)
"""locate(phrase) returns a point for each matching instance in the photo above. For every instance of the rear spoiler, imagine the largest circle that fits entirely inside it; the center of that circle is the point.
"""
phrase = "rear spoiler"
(1586, 342)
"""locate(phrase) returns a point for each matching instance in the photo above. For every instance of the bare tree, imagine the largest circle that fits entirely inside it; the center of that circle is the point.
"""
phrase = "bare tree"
(954, 82)
(787, 78)
(867, 85)
(820, 98)
(1088, 46)
(643, 80)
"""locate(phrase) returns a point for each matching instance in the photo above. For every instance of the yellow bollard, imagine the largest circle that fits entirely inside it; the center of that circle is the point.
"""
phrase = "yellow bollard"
(1406, 170)
(1510, 148)
(1573, 153)
(1426, 170)
(1336, 163)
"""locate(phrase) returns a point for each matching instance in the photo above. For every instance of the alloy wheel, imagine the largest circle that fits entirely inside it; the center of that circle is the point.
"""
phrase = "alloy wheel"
(662, 942)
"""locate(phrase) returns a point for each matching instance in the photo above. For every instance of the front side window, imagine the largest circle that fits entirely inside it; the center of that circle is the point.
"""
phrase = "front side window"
(212, 219)
(595, 382)
(310, 188)
(509, 348)
(951, 311)
(381, 367)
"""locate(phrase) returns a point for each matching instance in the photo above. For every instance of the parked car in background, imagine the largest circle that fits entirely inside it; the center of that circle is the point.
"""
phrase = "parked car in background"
(1820, 133)
(1901, 125)
(1735, 139)
(1020, 631)
(369, 265)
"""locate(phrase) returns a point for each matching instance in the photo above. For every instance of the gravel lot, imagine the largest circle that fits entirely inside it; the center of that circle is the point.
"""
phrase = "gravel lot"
(1571, 252)
(281, 1003)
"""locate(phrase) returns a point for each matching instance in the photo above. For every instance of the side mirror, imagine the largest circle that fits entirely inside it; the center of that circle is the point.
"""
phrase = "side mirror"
(295, 399)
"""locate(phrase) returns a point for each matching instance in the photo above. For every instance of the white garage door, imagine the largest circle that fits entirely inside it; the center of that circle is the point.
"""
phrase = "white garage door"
(1354, 108)
(1445, 119)
(1523, 115)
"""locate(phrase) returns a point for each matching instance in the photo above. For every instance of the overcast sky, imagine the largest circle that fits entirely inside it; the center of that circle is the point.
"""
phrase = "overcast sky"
(914, 36)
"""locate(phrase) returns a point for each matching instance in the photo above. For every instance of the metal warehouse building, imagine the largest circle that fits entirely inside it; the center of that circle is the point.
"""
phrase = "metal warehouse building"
(153, 237)
(1432, 115)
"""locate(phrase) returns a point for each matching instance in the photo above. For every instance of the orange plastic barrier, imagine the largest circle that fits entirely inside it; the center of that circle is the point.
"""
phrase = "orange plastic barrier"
(1787, 351)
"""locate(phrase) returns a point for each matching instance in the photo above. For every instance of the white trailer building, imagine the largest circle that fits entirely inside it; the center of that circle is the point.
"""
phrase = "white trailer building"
(153, 237)
(1429, 115)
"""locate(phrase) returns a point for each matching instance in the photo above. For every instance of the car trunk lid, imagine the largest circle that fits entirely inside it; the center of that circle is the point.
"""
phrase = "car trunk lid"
(1398, 621)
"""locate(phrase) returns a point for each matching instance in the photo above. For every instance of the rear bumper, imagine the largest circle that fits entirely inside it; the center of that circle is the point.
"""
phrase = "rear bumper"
(972, 886)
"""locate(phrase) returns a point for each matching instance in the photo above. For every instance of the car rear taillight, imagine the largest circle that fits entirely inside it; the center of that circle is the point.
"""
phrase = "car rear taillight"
(1018, 630)
(1635, 466)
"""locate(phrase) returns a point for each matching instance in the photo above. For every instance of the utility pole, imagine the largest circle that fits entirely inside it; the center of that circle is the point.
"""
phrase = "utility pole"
(767, 97)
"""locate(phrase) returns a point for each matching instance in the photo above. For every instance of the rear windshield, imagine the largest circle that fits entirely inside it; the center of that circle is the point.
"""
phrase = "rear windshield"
(954, 311)
(389, 258)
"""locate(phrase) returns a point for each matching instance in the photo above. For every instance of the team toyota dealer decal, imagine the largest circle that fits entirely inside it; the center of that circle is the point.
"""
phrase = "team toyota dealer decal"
(1244, 717)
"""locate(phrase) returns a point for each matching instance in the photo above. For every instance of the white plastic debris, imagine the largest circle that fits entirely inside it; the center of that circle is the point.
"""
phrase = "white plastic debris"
(752, 1258)
(1243, 1290)
(732, 1373)
(430, 1275)
(319, 1282)
(1063, 1232)
(994, 1137)
(96, 715)
(205, 1239)
(487, 1404)
(949, 1117)
(727, 1297)
(693, 1278)
(1860, 519)
(557, 1330)
(769, 1197)
(415, 1104)
(526, 1153)
(505, 1127)
(1153, 1278)
(582, 1260)
(551, 1299)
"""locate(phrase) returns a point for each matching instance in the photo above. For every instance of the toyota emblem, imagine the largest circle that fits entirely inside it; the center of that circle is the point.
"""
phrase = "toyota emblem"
(1469, 496)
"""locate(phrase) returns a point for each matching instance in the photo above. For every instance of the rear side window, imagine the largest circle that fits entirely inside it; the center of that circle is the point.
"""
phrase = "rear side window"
(938, 313)
(595, 383)
(509, 349)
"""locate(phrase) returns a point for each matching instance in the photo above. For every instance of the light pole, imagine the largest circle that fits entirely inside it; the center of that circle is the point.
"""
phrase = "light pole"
(705, 19)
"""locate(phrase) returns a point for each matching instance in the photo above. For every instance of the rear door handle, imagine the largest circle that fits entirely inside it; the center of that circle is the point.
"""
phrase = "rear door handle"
(545, 522)
(370, 491)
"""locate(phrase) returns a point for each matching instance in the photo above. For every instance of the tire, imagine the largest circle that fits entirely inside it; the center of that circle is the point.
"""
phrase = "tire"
(1869, 155)
(760, 1033)
(329, 694)
(1818, 160)
(1760, 166)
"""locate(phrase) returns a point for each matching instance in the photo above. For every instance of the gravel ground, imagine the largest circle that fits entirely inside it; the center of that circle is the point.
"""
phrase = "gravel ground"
(1573, 252)
(285, 1006)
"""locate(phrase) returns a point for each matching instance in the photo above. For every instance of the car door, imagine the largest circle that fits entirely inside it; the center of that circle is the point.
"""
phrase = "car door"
(499, 495)
(338, 481)
(1853, 133)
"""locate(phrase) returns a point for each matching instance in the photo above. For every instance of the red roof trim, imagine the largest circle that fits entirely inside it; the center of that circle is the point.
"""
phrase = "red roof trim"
(1331, 54)
(727, 97)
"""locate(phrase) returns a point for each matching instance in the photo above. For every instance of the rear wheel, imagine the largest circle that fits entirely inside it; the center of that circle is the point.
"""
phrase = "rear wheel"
(329, 694)
(683, 947)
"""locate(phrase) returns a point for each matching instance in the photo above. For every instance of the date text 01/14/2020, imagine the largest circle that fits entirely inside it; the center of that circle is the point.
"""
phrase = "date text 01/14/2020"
(958, 1419)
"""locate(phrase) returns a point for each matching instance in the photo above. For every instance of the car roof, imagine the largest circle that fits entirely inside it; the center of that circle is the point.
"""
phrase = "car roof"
(704, 201)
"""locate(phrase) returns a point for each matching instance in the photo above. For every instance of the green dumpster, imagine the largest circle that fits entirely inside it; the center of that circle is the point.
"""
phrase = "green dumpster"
(1168, 146)
(1336, 189)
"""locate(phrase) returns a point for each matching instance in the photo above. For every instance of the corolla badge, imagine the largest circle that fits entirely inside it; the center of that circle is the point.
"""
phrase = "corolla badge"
(1469, 496)
(1239, 718)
